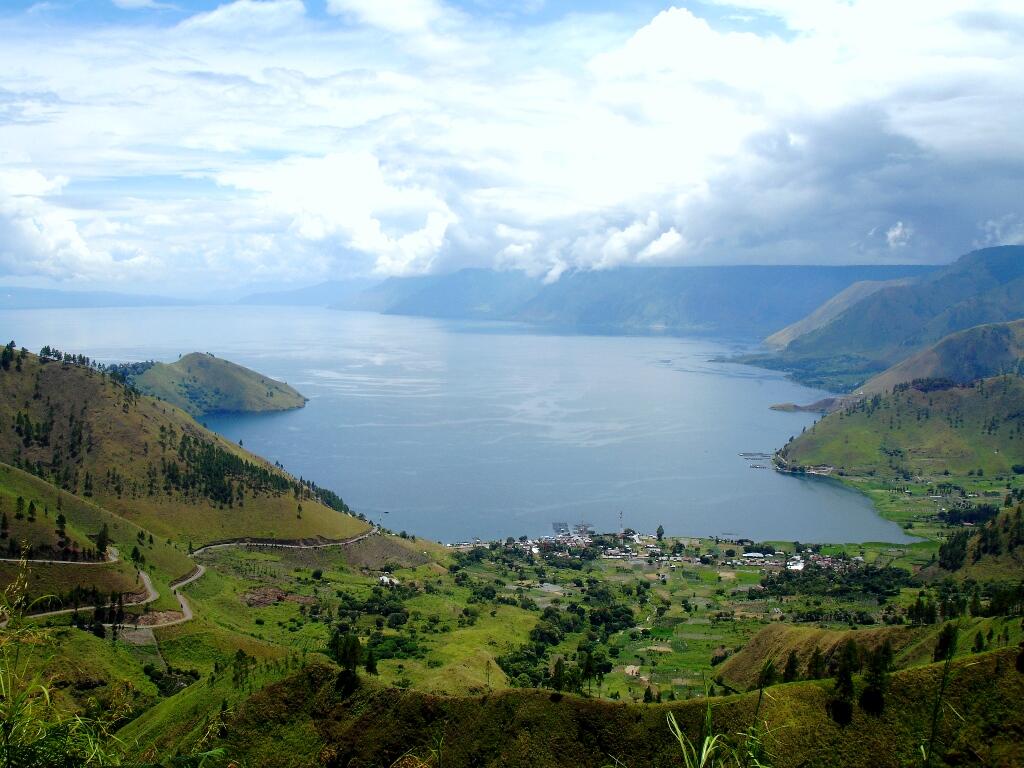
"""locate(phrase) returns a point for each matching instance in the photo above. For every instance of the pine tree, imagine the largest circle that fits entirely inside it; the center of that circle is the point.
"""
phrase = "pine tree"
(792, 668)
(103, 541)
(371, 663)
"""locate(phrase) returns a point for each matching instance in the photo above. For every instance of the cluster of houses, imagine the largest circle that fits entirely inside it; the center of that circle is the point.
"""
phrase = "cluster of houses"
(636, 547)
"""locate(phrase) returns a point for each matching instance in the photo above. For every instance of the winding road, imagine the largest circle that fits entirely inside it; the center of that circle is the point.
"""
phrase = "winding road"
(186, 608)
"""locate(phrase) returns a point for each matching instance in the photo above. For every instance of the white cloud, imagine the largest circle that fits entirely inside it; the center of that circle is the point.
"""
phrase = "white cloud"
(348, 196)
(399, 137)
(899, 234)
(250, 16)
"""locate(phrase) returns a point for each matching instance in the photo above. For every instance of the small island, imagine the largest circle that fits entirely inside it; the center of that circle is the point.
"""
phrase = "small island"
(200, 384)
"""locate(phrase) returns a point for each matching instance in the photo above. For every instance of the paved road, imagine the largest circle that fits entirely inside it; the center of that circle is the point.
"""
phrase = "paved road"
(112, 557)
(186, 609)
(245, 543)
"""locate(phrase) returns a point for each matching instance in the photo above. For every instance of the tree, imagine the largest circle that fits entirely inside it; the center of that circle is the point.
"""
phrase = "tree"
(792, 669)
(346, 650)
(876, 678)
(102, 541)
(558, 674)
(816, 666)
(661, 532)
(371, 663)
(945, 645)
(841, 703)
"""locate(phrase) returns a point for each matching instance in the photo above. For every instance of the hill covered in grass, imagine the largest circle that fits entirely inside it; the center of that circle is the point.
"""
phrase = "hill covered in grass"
(889, 325)
(960, 358)
(88, 434)
(309, 719)
(831, 309)
(924, 428)
(201, 383)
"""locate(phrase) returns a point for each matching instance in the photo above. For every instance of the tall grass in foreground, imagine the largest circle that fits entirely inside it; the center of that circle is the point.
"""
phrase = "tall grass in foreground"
(716, 750)
(34, 733)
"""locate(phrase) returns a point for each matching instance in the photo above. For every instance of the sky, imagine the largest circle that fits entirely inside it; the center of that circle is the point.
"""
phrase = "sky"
(192, 147)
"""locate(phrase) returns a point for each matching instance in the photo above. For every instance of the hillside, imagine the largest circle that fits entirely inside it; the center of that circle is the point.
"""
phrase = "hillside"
(921, 430)
(201, 383)
(726, 301)
(309, 720)
(941, 459)
(831, 309)
(979, 352)
(985, 286)
(148, 461)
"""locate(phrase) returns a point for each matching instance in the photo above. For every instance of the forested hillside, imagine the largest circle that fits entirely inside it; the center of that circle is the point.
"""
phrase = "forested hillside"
(86, 432)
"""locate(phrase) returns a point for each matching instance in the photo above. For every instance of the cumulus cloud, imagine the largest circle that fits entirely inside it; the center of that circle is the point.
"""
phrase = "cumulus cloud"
(260, 140)
(347, 197)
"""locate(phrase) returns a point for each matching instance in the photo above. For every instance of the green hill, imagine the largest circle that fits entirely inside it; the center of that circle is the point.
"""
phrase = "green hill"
(309, 720)
(831, 309)
(146, 461)
(943, 459)
(977, 353)
(201, 383)
(985, 286)
(921, 431)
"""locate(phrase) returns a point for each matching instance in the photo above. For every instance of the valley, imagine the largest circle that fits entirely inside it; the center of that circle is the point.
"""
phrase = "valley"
(193, 597)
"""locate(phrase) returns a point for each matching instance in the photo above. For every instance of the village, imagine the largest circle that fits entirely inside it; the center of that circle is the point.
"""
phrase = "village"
(633, 548)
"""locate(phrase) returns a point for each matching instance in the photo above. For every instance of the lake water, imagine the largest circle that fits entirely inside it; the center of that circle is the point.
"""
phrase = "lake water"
(454, 431)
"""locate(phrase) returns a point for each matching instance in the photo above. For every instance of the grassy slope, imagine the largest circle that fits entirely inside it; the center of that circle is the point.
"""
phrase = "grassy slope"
(164, 560)
(979, 352)
(897, 448)
(957, 429)
(123, 434)
(985, 286)
(307, 721)
(830, 310)
(912, 646)
(89, 675)
(200, 383)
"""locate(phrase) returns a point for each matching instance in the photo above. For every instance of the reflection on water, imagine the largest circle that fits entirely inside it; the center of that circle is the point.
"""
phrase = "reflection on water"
(454, 431)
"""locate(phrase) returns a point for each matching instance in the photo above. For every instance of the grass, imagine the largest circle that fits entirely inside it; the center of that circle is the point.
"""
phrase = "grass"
(376, 726)
(200, 383)
(53, 580)
(119, 440)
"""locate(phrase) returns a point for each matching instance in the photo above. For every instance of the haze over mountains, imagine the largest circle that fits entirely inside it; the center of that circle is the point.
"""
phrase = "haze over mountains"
(740, 301)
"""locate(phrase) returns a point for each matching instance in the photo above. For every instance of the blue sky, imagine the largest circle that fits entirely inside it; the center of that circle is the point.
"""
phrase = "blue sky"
(191, 145)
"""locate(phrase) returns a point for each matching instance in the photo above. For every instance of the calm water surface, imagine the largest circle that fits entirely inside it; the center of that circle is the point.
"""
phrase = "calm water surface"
(454, 431)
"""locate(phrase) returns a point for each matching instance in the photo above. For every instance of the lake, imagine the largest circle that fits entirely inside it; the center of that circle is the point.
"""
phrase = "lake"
(453, 431)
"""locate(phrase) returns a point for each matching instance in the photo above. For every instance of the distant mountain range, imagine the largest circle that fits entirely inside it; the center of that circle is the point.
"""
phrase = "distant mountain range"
(319, 295)
(737, 301)
(46, 298)
(892, 323)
